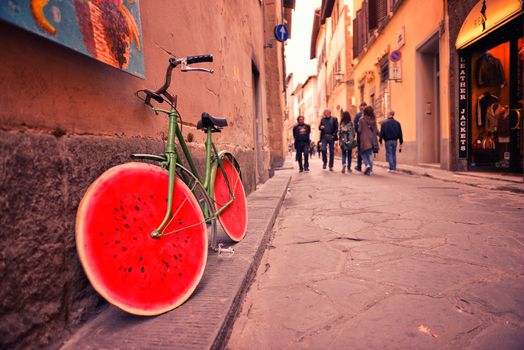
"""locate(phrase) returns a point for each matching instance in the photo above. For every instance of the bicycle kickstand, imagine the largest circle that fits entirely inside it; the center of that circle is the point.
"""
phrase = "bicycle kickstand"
(228, 250)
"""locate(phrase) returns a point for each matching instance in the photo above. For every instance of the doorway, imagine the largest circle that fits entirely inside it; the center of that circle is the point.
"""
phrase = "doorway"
(428, 101)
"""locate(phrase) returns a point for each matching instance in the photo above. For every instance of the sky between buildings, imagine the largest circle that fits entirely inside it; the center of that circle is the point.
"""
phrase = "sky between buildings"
(297, 48)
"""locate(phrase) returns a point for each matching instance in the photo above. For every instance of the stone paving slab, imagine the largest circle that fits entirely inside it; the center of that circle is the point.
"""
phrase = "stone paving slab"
(204, 320)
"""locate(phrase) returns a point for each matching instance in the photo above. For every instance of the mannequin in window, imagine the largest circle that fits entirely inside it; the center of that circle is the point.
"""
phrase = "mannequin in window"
(484, 101)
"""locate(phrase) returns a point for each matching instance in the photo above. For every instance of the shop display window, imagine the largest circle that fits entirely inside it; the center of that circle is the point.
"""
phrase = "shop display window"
(492, 116)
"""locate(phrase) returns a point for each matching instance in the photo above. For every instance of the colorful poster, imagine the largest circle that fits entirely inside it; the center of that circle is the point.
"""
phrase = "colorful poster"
(107, 30)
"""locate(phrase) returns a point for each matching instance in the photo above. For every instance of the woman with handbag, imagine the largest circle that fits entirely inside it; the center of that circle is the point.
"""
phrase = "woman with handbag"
(347, 140)
(368, 138)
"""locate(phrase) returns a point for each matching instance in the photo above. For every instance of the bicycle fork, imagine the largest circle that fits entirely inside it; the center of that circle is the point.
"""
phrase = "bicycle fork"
(171, 161)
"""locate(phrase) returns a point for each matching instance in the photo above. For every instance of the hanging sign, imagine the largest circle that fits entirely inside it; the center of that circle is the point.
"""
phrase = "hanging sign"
(463, 121)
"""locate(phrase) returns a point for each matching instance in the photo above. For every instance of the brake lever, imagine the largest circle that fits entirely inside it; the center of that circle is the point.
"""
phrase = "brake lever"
(186, 68)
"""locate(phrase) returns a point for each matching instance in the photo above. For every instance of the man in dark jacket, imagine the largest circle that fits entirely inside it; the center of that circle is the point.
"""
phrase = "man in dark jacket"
(357, 132)
(328, 135)
(301, 133)
(390, 132)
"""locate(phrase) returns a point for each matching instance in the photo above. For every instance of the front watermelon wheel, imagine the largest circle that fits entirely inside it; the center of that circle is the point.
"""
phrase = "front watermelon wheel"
(130, 269)
(234, 218)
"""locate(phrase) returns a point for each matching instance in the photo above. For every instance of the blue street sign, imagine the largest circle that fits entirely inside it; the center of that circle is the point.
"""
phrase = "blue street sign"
(395, 56)
(281, 32)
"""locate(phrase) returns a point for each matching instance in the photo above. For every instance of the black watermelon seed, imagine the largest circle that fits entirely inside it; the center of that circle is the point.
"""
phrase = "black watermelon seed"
(180, 221)
(142, 269)
(137, 208)
(124, 217)
(129, 269)
(140, 259)
(166, 263)
(139, 199)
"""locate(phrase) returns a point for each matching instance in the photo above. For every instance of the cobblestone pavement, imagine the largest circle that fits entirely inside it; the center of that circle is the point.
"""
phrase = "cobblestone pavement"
(390, 261)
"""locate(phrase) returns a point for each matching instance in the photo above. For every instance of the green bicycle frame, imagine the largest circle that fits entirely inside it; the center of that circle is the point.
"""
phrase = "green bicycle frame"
(170, 160)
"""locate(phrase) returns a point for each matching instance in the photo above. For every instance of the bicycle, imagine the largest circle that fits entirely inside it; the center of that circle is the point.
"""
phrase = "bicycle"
(141, 227)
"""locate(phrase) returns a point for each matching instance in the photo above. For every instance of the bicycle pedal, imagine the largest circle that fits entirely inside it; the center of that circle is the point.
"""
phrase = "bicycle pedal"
(228, 250)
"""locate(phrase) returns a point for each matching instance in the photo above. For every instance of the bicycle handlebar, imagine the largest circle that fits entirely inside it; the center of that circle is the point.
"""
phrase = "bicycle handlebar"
(198, 59)
(173, 62)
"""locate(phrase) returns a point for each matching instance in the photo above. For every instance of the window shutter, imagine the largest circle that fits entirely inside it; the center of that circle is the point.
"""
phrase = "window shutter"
(372, 15)
(382, 11)
(356, 48)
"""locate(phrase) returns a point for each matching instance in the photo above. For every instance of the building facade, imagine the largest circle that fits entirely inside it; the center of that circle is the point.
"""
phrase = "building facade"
(331, 45)
(66, 118)
(408, 83)
(453, 75)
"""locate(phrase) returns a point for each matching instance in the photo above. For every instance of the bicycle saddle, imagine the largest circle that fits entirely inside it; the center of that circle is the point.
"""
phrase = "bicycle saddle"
(208, 121)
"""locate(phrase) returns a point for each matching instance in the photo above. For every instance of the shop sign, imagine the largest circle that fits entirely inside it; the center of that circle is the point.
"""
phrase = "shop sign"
(463, 107)
(484, 17)
(108, 31)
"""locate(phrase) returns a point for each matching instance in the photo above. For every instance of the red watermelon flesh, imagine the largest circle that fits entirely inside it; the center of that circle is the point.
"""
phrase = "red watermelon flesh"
(129, 268)
(234, 218)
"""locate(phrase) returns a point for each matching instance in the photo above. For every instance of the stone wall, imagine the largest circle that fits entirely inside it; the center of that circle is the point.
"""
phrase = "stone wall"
(65, 118)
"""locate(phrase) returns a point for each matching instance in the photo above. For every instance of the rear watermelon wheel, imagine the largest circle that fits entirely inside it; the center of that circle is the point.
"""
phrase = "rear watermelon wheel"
(130, 269)
(234, 218)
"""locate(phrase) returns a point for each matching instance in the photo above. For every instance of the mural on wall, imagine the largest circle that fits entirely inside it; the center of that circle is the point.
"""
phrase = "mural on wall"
(107, 30)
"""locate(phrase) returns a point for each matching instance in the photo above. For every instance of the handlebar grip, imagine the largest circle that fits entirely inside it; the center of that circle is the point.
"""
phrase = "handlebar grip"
(197, 59)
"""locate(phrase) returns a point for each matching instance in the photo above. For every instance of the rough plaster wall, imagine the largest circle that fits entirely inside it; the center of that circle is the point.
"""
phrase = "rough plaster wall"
(65, 118)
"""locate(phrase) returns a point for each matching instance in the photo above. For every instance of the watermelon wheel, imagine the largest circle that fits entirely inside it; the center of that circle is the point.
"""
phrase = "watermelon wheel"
(130, 269)
(234, 218)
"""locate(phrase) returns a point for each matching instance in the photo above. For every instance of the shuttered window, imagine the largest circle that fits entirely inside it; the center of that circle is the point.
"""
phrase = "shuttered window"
(356, 35)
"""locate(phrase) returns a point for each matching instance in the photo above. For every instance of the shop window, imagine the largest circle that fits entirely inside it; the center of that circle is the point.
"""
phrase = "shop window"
(490, 106)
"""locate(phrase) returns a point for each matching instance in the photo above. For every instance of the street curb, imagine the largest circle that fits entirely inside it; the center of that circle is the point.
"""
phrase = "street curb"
(224, 334)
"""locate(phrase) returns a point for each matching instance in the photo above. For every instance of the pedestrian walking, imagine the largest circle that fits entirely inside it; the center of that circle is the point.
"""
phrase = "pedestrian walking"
(319, 148)
(347, 140)
(357, 132)
(367, 126)
(301, 133)
(328, 134)
(312, 149)
(391, 132)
